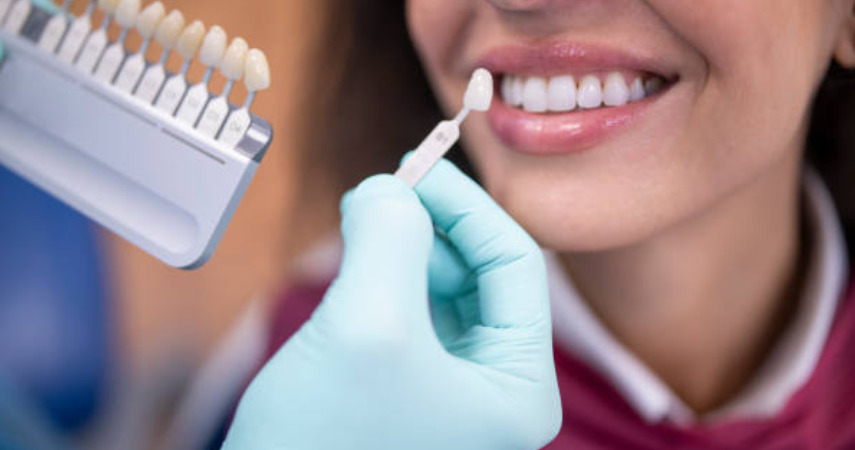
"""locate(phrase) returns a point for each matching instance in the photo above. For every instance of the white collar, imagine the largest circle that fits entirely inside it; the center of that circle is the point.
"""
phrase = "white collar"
(788, 367)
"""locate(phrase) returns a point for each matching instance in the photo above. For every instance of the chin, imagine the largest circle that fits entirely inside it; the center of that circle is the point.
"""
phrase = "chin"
(562, 217)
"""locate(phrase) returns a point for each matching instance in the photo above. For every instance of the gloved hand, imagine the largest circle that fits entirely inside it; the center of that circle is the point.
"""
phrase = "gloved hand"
(372, 369)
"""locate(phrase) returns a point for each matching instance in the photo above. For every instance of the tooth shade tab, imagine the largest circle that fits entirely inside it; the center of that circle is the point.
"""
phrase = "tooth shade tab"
(169, 29)
(213, 47)
(150, 18)
(108, 6)
(256, 71)
(233, 62)
(190, 40)
(126, 13)
(479, 93)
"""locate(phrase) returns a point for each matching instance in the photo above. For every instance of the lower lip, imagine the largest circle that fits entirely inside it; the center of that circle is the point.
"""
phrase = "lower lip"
(563, 133)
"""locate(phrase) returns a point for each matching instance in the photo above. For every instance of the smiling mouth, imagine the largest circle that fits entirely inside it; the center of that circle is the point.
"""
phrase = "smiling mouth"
(565, 98)
(563, 93)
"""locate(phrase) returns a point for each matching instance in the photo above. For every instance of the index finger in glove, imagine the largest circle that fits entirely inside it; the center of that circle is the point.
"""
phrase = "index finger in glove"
(506, 261)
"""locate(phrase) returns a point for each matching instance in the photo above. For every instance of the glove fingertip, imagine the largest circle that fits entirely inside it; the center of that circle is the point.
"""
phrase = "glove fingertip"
(406, 156)
(346, 200)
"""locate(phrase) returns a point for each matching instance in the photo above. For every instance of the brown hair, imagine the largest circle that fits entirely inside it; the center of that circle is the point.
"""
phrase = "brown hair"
(378, 104)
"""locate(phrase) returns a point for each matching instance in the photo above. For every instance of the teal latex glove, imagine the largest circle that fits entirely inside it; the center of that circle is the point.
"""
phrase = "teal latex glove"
(47, 5)
(378, 366)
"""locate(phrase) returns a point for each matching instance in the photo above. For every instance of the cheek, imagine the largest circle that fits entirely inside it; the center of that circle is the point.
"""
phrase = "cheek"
(432, 24)
(764, 60)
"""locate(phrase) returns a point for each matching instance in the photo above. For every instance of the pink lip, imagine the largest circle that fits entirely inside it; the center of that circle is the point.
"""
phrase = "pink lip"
(572, 132)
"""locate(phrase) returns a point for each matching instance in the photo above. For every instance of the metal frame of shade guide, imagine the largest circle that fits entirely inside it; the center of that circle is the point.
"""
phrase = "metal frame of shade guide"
(135, 170)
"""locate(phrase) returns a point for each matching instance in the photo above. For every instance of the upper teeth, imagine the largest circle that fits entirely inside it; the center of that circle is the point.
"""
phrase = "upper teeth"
(563, 93)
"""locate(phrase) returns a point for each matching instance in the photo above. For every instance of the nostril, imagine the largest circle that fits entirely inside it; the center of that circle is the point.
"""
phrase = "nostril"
(520, 5)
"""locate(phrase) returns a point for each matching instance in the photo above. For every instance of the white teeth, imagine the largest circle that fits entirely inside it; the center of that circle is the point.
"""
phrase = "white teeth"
(636, 91)
(150, 18)
(615, 90)
(169, 29)
(257, 71)
(534, 95)
(590, 94)
(214, 47)
(507, 89)
(517, 89)
(233, 62)
(562, 94)
(190, 40)
(126, 13)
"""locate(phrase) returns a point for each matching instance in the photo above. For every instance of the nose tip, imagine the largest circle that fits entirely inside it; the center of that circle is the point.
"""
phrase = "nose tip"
(520, 5)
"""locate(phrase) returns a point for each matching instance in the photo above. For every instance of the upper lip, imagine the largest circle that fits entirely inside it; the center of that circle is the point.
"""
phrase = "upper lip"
(557, 58)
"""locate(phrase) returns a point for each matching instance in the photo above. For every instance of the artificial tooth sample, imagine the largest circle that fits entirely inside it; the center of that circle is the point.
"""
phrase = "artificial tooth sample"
(132, 70)
(18, 15)
(76, 35)
(257, 78)
(636, 90)
(534, 95)
(126, 18)
(615, 90)
(478, 97)
(55, 29)
(211, 55)
(176, 86)
(232, 68)
(561, 95)
(167, 35)
(590, 94)
(97, 41)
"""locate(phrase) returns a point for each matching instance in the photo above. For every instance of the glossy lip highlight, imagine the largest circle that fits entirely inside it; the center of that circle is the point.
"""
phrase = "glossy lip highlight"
(574, 131)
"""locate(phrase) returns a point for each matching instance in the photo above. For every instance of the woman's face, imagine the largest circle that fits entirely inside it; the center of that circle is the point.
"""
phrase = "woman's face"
(737, 78)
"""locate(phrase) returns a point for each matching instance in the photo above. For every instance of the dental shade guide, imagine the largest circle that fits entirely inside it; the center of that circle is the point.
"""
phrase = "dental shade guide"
(257, 78)
(232, 68)
(211, 55)
(167, 34)
(97, 41)
(164, 185)
(126, 17)
(5, 5)
(55, 29)
(478, 97)
(76, 35)
(17, 16)
(174, 89)
(132, 70)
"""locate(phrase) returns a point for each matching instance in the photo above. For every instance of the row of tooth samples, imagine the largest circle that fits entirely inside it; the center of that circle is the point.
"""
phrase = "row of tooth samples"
(76, 43)
(562, 93)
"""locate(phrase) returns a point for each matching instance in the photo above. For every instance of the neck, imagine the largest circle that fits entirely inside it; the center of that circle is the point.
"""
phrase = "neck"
(702, 303)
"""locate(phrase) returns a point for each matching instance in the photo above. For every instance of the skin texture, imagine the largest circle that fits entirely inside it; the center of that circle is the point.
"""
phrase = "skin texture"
(659, 224)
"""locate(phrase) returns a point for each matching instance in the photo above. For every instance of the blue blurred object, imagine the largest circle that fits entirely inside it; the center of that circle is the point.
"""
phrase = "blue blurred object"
(54, 318)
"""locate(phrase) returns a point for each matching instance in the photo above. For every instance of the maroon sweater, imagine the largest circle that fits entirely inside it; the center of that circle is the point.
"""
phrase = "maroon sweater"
(820, 416)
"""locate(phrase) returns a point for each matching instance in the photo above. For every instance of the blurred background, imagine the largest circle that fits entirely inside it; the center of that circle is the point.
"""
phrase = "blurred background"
(111, 348)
